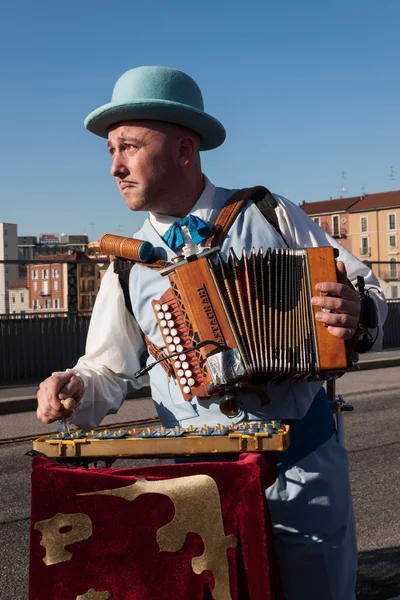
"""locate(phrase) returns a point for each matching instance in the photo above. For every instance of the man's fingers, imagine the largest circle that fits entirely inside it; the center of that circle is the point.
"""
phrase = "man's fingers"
(340, 290)
(341, 272)
(341, 332)
(338, 319)
(49, 404)
(338, 305)
(72, 389)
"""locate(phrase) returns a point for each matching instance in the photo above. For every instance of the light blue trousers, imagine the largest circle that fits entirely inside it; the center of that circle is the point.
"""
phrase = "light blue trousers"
(313, 520)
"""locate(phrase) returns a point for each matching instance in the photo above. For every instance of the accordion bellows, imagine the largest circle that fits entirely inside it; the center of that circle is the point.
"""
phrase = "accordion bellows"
(258, 307)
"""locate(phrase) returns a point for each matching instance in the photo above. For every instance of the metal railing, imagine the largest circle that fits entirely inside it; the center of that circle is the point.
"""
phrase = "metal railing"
(32, 347)
(34, 344)
(336, 232)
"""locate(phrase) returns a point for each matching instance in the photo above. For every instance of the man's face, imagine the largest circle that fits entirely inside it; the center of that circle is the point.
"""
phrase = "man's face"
(145, 163)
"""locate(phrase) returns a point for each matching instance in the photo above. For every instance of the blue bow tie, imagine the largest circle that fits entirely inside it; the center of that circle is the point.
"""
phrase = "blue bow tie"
(198, 231)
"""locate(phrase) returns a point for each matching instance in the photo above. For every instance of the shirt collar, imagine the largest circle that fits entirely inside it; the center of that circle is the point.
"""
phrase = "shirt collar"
(202, 209)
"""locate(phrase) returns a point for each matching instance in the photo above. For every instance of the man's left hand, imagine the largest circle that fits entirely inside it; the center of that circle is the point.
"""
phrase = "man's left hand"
(343, 304)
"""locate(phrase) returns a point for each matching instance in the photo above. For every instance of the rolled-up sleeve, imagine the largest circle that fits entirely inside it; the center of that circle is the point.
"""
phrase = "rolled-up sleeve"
(302, 232)
(115, 350)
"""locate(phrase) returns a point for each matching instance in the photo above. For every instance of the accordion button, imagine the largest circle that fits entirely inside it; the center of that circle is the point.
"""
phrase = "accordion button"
(181, 356)
(163, 323)
(186, 389)
(169, 339)
(179, 348)
(185, 365)
(160, 315)
(166, 331)
(178, 364)
(165, 307)
(188, 373)
(174, 331)
(183, 380)
(191, 381)
(168, 315)
(170, 323)
(171, 348)
(157, 307)
(176, 338)
(181, 373)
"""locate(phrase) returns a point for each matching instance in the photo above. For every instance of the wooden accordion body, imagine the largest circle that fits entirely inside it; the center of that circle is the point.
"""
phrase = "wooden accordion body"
(256, 315)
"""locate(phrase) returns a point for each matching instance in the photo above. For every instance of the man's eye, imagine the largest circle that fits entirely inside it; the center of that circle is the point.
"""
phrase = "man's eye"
(111, 151)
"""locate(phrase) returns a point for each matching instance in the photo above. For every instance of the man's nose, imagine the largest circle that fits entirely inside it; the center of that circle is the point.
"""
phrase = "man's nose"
(118, 167)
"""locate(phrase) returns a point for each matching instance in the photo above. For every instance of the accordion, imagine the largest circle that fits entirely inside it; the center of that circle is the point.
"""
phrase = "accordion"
(228, 324)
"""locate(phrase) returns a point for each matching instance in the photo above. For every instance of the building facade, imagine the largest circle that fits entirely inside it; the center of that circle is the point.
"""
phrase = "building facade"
(8, 272)
(333, 216)
(18, 298)
(372, 231)
(70, 285)
(48, 284)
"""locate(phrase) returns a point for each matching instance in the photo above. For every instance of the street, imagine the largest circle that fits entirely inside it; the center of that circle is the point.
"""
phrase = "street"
(372, 440)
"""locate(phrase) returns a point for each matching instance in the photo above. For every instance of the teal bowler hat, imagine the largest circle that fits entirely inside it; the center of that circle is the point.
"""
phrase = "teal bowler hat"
(158, 94)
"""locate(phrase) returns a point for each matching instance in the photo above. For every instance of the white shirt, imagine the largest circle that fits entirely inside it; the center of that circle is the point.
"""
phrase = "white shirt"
(204, 209)
(111, 357)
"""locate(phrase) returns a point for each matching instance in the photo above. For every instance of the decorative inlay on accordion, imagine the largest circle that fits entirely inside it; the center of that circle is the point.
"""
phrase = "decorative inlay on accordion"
(248, 319)
(257, 436)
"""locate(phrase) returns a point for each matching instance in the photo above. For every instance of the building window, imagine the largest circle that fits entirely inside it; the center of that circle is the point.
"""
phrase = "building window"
(35, 274)
(395, 291)
(47, 303)
(35, 305)
(392, 241)
(45, 274)
(392, 221)
(55, 286)
(56, 273)
(364, 247)
(35, 286)
(335, 225)
(364, 224)
(393, 268)
(316, 220)
(87, 270)
(56, 303)
(22, 298)
(45, 287)
(13, 299)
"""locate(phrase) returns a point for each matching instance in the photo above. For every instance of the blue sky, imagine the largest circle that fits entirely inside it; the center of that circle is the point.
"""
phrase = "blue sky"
(306, 90)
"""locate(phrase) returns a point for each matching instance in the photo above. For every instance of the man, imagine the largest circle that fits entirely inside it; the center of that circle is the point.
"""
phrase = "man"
(156, 127)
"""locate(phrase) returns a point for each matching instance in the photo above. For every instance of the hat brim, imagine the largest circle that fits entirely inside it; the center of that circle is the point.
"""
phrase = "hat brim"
(210, 130)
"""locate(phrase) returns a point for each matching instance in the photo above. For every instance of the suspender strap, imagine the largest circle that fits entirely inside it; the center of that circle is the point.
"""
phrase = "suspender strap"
(261, 197)
(123, 269)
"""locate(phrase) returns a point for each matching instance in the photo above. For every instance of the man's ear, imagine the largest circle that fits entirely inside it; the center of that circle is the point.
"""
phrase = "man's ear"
(187, 150)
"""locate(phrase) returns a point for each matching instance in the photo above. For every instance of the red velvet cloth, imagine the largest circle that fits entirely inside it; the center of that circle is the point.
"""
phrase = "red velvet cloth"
(122, 555)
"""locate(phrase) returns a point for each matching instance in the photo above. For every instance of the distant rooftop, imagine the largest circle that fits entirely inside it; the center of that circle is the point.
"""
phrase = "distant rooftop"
(353, 204)
(19, 284)
(68, 256)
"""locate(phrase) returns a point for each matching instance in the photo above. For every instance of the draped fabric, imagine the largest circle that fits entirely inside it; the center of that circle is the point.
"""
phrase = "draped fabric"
(190, 531)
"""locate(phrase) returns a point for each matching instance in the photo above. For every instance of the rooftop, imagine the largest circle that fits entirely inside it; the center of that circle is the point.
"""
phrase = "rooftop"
(18, 284)
(354, 204)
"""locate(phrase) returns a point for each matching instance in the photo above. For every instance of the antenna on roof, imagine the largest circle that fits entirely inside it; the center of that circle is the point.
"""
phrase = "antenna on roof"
(363, 188)
(342, 188)
(392, 172)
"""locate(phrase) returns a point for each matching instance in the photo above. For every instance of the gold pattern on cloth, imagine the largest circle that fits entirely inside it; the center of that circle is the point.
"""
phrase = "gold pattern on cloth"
(197, 510)
(93, 595)
(55, 541)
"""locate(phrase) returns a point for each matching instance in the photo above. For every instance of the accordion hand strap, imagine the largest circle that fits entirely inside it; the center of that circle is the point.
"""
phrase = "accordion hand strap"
(230, 212)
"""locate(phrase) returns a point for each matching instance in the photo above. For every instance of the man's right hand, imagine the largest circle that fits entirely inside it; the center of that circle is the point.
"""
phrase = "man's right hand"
(54, 389)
